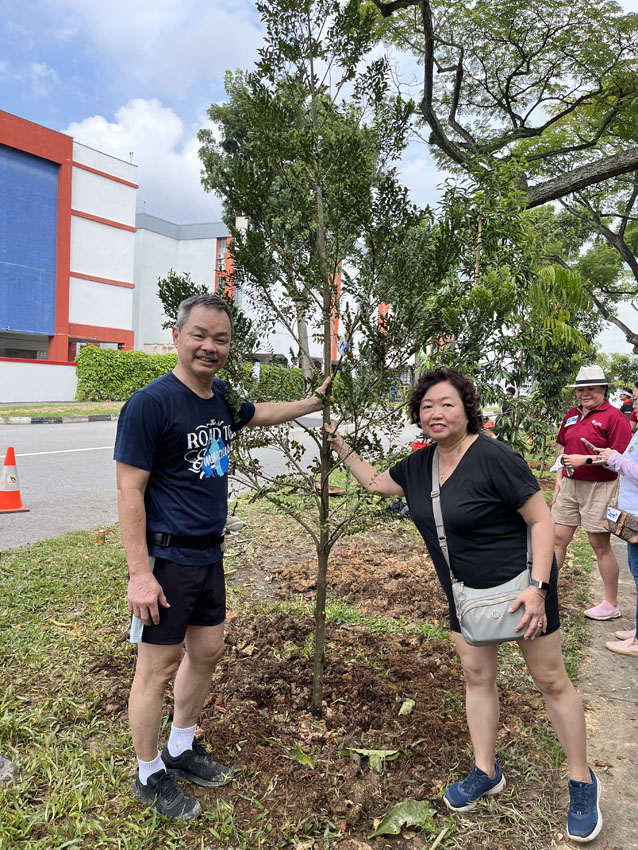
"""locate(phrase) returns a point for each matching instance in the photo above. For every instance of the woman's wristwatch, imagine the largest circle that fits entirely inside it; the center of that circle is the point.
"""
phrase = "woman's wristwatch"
(541, 585)
(589, 460)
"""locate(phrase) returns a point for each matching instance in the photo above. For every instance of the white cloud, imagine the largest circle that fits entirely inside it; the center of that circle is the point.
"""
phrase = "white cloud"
(67, 28)
(41, 77)
(169, 44)
(419, 172)
(166, 153)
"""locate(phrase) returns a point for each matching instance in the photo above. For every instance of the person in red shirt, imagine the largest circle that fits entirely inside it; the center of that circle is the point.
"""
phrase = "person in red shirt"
(583, 491)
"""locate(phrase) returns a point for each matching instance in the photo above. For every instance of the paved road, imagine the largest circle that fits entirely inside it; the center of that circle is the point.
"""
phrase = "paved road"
(67, 477)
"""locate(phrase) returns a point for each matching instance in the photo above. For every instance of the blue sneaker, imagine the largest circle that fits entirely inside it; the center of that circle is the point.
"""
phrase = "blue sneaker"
(462, 796)
(584, 820)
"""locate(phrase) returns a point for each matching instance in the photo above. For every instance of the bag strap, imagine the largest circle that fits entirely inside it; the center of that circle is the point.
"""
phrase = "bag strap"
(613, 502)
(435, 495)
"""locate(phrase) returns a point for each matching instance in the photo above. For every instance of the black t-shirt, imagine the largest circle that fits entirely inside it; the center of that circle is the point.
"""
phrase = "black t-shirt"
(486, 536)
(626, 408)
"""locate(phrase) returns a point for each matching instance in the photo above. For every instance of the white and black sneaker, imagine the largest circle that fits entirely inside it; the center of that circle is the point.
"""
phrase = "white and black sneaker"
(163, 794)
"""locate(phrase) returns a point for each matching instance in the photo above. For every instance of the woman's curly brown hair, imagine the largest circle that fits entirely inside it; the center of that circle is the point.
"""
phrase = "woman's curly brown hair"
(461, 384)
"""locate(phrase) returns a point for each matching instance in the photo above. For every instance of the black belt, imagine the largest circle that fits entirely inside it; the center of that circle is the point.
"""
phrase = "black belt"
(163, 538)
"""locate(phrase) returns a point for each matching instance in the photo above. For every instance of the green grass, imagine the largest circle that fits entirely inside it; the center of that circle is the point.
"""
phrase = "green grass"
(574, 632)
(64, 673)
(62, 409)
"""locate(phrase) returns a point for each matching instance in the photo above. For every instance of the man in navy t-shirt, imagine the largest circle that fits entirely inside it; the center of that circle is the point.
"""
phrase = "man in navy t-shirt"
(172, 451)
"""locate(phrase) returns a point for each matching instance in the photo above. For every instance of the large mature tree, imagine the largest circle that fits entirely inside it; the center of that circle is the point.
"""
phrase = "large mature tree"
(552, 86)
(305, 156)
(498, 74)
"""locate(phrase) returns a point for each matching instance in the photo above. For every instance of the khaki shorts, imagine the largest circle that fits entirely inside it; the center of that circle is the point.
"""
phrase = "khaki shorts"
(583, 503)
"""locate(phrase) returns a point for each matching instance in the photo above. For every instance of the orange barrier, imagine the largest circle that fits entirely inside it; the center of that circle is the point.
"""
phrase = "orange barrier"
(10, 500)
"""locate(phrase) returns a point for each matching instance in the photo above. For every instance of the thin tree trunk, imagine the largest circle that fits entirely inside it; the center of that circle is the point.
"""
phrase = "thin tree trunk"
(320, 615)
(304, 350)
(325, 454)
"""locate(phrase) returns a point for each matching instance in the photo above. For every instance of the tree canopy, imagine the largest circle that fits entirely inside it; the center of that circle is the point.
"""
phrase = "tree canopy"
(552, 87)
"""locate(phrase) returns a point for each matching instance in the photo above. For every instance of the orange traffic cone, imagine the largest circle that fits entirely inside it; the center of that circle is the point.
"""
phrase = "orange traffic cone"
(10, 501)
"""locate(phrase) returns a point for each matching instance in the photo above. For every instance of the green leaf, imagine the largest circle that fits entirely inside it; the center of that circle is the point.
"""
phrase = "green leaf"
(376, 758)
(298, 755)
(407, 813)
(407, 706)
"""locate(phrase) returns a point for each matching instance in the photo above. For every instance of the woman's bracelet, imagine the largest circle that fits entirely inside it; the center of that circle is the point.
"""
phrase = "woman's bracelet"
(538, 593)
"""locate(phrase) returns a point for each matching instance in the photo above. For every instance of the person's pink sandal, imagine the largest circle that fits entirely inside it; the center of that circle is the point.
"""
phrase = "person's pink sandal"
(624, 647)
(626, 635)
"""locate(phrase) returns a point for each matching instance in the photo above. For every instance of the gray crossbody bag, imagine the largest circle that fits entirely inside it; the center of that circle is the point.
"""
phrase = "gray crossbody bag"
(482, 613)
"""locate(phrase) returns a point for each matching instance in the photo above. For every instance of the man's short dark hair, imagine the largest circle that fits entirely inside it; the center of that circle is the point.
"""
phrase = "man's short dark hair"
(511, 390)
(210, 302)
(461, 384)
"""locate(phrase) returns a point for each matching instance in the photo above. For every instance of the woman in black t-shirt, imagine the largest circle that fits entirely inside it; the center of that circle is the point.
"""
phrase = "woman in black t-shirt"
(489, 498)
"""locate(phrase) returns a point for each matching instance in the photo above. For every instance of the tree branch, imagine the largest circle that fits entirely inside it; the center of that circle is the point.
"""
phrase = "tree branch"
(582, 177)
(387, 9)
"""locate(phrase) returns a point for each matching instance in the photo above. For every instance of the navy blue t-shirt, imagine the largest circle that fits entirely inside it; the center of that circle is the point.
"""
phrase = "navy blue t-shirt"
(184, 442)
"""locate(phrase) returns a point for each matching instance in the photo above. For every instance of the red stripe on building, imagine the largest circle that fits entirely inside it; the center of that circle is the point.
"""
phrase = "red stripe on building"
(334, 321)
(108, 280)
(105, 174)
(35, 360)
(96, 334)
(107, 221)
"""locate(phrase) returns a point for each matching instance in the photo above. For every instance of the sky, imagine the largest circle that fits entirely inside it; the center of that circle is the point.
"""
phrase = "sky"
(134, 79)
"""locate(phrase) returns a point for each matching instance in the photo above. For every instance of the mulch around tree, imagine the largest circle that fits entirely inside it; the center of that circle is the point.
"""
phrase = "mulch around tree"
(295, 769)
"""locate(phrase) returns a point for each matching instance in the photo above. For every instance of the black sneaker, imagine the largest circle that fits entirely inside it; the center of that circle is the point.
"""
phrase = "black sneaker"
(197, 766)
(166, 797)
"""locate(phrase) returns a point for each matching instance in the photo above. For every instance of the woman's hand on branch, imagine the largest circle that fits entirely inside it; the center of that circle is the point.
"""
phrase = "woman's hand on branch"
(336, 440)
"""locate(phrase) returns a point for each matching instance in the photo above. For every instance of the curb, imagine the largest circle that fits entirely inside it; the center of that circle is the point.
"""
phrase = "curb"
(60, 420)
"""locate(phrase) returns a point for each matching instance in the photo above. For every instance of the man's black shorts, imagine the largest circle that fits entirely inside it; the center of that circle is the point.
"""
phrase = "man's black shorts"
(197, 596)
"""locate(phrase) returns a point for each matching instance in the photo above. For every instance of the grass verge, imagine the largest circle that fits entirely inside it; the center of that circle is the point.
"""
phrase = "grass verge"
(64, 410)
(66, 667)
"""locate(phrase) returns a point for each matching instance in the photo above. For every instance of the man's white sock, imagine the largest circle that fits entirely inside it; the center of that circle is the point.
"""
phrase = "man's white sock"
(180, 740)
(146, 768)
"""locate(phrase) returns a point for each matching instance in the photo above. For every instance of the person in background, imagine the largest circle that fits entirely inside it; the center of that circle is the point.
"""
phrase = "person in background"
(633, 419)
(626, 465)
(489, 499)
(626, 402)
(583, 491)
(510, 392)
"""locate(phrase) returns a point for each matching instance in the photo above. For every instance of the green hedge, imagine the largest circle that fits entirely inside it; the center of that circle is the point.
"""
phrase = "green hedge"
(105, 374)
(280, 383)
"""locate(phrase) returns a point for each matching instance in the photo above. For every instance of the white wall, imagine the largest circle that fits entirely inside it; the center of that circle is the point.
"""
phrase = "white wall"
(102, 251)
(36, 381)
(92, 193)
(104, 162)
(92, 303)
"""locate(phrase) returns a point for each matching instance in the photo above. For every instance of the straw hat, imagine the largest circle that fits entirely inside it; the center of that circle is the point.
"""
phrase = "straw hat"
(590, 376)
